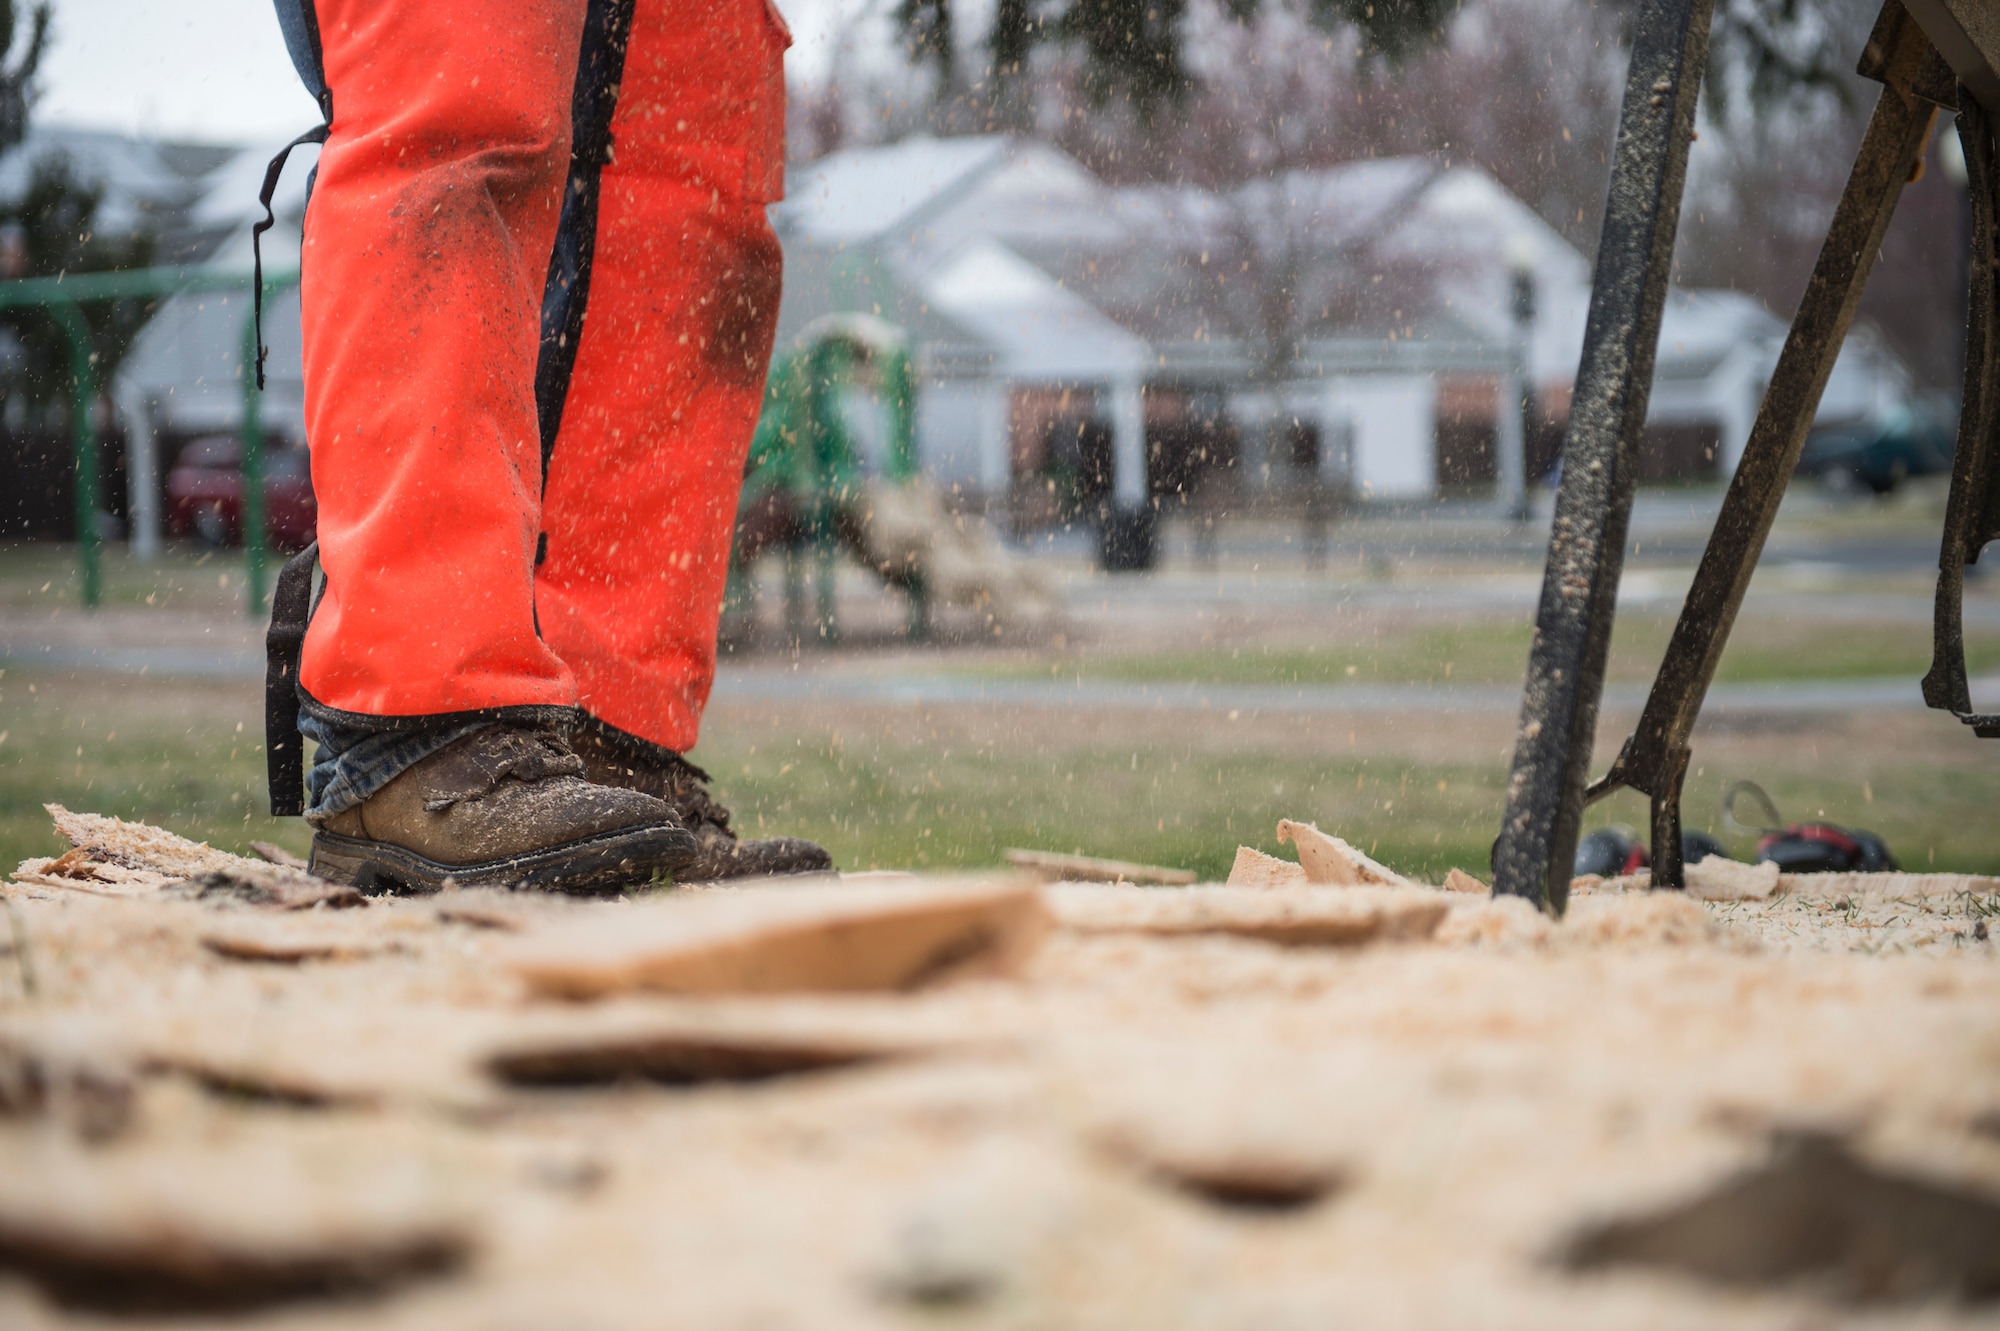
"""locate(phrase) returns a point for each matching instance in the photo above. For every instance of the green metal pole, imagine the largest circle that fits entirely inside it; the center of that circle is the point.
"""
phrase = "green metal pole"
(83, 435)
(254, 546)
(901, 395)
(822, 440)
(61, 297)
(899, 391)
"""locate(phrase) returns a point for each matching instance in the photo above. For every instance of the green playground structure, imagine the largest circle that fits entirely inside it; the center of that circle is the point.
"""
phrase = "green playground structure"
(808, 466)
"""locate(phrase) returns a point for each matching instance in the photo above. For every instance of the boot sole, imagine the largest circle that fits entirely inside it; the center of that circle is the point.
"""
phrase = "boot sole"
(605, 862)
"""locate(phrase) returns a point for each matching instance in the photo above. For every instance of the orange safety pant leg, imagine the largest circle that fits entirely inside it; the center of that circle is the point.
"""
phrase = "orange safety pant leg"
(426, 252)
(673, 330)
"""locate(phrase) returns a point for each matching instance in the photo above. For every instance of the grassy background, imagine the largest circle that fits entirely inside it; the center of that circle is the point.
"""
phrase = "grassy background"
(1487, 651)
(907, 787)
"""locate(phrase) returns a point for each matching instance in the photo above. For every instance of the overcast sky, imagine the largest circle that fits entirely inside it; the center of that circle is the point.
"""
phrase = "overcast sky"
(216, 70)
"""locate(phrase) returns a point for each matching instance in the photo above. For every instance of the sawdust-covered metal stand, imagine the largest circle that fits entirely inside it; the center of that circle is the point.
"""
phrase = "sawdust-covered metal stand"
(1321, 1096)
(1937, 54)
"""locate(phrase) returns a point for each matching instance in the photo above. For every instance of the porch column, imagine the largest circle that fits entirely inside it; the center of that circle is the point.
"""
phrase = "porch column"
(1128, 443)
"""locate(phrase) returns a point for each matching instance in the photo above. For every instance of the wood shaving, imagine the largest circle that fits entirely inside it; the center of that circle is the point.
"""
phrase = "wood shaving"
(1255, 869)
(1298, 917)
(286, 945)
(778, 938)
(1458, 880)
(1717, 879)
(1330, 861)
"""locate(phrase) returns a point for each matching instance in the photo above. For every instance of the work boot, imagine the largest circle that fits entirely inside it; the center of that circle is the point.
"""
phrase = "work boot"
(611, 758)
(507, 807)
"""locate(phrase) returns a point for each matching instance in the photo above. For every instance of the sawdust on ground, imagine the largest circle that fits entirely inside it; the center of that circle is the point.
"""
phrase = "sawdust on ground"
(1159, 1118)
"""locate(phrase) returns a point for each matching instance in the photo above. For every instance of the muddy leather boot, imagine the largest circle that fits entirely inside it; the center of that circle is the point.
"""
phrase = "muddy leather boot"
(611, 759)
(505, 806)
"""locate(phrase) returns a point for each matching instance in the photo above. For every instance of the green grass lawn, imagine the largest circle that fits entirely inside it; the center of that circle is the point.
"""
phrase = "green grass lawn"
(886, 790)
(892, 798)
(187, 755)
(899, 787)
(1487, 651)
(187, 577)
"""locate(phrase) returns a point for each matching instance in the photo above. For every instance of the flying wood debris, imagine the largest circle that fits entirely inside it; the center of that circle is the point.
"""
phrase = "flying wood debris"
(1329, 860)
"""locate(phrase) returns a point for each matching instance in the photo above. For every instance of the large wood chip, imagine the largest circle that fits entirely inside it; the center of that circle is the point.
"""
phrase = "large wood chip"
(1458, 880)
(204, 1232)
(771, 938)
(1255, 869)
(112, 857)
(139, 845)
(266, 943)
(1717, 879)
(1299, 917)
(1051, 866)
(312, 1056)
(713, 1040)
(1331, 862)
(67, 1070)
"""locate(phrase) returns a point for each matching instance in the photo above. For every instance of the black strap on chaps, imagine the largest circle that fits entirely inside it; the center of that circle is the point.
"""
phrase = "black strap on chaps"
(276, 168)
(284, 747)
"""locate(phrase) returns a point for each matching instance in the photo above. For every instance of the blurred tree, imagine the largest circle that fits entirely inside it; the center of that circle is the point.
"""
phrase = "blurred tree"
(1135, 50)
(16, 82)
(1527, 90)
(1778, 52)
(1766, 50)
(1783, 128)
(53, 228)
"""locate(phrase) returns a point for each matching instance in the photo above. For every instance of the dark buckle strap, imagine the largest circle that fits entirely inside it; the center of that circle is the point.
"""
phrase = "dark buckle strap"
(276, 168)
(284, 644)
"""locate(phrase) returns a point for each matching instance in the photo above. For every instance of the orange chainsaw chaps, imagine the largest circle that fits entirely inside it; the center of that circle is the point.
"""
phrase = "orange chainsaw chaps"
(427, 243)
(669, 374)
(427, 249)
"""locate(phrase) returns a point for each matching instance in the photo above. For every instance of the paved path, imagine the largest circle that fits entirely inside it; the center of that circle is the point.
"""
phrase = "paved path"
(870, 682)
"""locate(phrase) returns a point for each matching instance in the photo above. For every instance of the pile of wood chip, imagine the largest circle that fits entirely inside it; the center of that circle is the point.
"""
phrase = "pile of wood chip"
(1318, 1095)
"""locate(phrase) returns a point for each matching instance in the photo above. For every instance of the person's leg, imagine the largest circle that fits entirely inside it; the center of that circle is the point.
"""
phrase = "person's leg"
(436, 702)
(426, 245)
(657, 329)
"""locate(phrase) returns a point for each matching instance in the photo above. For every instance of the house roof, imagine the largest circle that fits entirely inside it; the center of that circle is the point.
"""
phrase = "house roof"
(1038, 328)
(146, 184)
(821, 280)
(869, 194)
(1701, 329)
(229, 194)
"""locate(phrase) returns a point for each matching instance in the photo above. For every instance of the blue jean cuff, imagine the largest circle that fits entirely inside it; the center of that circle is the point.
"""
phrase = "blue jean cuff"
(354, 762)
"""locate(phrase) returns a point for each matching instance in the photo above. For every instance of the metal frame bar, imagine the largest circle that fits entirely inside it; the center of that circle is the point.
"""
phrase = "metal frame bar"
(1972, 514)
(1654, 759)
(1565, 682)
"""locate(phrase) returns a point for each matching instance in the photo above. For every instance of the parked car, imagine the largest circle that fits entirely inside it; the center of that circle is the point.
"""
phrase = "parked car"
(205, 493)
(1877, 454)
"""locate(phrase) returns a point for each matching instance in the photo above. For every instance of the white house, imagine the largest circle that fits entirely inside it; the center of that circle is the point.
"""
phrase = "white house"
(1397, 322)
(1369, 306)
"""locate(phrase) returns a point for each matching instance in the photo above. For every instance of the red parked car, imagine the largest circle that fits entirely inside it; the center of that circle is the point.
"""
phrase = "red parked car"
(205, 493)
